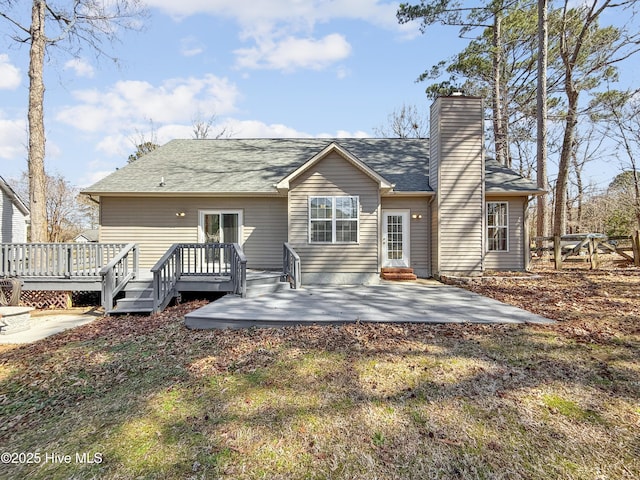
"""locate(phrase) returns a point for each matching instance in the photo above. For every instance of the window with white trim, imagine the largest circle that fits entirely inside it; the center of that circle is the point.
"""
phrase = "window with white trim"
(333, 219)
(497, 226)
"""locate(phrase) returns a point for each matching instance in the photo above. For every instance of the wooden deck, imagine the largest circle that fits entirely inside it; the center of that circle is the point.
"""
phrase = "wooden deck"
(113, 268)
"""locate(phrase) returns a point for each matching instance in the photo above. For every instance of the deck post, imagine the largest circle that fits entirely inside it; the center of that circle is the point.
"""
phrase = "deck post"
(136, 261)
(635, 243)
(69, 265)
(557, 252)
(593, 253)
(107, 291)
(291, 266)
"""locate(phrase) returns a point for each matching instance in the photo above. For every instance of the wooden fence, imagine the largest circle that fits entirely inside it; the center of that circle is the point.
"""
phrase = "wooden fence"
(588, 246)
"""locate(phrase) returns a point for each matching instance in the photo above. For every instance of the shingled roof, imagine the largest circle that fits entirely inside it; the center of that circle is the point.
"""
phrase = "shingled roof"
(246, 166)
(17, 201)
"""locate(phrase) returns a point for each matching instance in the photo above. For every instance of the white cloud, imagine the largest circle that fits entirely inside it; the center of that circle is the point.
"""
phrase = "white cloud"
(292, 53)
(345, 134)
(256, 129)
(190, 46)
(247, 12)
(126, 104)
(10, 77)
(96, 171)
(81, 67)
(124, 144)
(281, 31)
(343, 73)
(13, 139)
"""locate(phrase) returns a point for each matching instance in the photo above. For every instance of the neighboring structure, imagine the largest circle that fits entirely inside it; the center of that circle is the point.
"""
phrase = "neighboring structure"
(349, 207)
(14, 215)
(88, 236)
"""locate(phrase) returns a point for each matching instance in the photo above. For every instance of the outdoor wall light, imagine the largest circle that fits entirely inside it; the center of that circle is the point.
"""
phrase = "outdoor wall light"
(416, 216)
(180, 214)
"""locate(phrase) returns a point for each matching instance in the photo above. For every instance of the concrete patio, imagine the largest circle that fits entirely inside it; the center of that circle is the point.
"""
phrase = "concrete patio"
(44, 325)
(418, 302)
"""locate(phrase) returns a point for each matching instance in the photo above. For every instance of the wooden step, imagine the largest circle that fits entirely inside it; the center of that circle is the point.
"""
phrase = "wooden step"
(398, 273)
(133, 305)
(397, 270)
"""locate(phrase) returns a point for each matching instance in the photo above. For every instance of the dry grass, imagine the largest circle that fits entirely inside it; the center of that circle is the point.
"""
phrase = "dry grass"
(356, 401)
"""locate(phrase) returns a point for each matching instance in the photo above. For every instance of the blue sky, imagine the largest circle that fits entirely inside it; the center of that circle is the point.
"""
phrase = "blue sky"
(273, 68)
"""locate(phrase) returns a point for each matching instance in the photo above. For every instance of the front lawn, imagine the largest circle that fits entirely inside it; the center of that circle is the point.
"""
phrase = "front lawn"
(143, 397)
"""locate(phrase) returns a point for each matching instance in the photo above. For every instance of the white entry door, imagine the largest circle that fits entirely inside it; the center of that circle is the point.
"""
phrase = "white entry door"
(395, 238)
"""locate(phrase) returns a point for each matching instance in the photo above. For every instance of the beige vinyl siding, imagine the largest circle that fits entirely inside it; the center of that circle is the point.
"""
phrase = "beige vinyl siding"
(151, 222)
(513, 259)
(459, 185)
(13, 224)
(419, 230)
(335, 176)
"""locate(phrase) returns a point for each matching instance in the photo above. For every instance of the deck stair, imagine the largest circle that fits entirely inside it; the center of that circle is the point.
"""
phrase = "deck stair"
(138, 297)
(265, 284)
(398, 273)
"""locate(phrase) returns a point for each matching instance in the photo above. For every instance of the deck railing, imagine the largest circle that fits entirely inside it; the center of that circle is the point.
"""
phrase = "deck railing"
(117, 273)
(166, 273)
(60, 260)
(291, 266)
(198, 259)
(239, 268)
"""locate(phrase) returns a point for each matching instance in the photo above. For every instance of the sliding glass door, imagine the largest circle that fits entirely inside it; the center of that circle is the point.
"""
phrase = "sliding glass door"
(219, 227)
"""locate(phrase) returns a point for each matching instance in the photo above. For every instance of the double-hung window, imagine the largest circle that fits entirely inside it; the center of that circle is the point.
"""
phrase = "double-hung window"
(333, 219)
(497, 226)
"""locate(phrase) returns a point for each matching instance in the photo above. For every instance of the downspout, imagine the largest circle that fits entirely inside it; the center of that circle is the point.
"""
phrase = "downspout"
(527, 248)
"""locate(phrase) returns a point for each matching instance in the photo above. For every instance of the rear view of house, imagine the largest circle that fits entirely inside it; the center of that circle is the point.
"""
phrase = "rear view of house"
(14, 215)
(348, 207)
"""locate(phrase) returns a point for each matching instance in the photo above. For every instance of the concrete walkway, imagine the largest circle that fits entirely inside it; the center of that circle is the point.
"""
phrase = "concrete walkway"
(420, 302)
(43, 325)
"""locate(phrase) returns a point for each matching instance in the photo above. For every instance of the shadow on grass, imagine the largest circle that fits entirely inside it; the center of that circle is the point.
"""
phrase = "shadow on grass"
(357, 401)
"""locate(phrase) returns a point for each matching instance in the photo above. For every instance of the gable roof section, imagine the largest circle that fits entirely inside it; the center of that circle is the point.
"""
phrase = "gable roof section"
(20, 205)
(502, 180)
(91, 235)
(283, 185)
(241, 167)
(255, 166)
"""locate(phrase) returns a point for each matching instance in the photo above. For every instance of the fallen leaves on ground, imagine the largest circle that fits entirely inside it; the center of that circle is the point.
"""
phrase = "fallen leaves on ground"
(585, 366)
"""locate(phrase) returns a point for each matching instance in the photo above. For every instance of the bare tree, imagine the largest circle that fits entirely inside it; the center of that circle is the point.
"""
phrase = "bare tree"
(406, 122)
(89, 212)
(588, 54)
(487, 14)
(201, 127)
(542, 228)
(62, 210)
(70, 25)
(143, 142)
(67, 213)
(621, 114)
(587, 148)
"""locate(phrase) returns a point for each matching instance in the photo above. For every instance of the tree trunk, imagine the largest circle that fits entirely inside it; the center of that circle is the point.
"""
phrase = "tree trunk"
(560, 213)
(37, 179)
(580, 199)
(498, 134)
(542, 227)
(636, 191)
